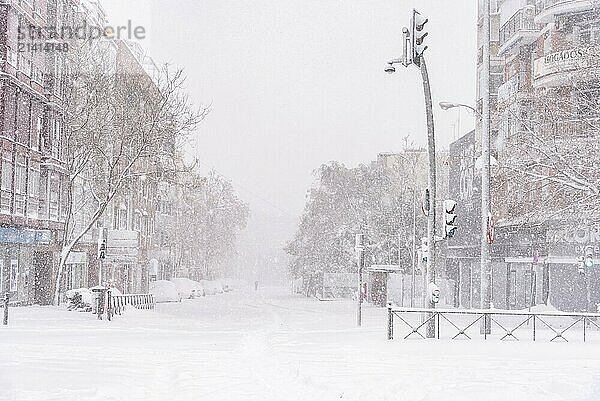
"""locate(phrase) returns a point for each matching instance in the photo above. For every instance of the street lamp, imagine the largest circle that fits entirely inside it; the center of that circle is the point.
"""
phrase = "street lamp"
(449, 105)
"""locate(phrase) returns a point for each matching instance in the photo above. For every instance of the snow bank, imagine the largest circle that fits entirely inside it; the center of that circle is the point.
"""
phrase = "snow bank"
(165, 291)
(209, 287)
(188, 288)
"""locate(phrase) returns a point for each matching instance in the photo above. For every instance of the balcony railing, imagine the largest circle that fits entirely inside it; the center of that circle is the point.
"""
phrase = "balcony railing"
(542, 5)
(522, 21)
(544, 8)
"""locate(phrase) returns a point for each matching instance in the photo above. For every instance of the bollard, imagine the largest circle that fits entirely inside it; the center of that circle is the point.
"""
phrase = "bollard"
(5, 321)
(99, 307)
(109, 305)
(390, 333)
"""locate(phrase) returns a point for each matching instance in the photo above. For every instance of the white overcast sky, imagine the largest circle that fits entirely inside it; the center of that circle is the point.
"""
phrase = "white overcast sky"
(297, 83)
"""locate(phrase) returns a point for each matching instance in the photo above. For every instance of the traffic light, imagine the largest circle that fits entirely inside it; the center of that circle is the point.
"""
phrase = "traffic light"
(426, 203)
(589, 257)
(102, 243)
(418, 35)
(424, 249)
(449, 218)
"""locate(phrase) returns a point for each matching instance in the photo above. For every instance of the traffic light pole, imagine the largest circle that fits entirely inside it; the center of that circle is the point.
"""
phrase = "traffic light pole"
(414, 48)
(431, 217)
(485, 273)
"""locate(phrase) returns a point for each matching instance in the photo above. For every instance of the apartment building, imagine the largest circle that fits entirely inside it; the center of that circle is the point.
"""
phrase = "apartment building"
(32, 168)
(543, 82)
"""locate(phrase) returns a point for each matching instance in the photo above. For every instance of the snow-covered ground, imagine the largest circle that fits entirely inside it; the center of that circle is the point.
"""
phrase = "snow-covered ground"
(272, 346)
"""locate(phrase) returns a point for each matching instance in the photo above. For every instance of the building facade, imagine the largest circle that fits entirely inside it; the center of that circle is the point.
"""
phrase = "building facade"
(543, 82)
(32, 170)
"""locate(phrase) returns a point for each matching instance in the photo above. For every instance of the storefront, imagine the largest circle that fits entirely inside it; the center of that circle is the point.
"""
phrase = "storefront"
(27, 260)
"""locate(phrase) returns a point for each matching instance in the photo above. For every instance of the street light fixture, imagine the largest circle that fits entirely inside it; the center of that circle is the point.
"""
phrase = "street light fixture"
(390, 69)
(449, 105)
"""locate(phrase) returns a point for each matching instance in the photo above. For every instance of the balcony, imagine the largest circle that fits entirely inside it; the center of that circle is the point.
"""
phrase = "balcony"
(520, 27)
(546, 10)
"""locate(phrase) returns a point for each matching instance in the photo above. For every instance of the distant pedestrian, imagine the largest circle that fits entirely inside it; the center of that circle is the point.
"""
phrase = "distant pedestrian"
(256, 285)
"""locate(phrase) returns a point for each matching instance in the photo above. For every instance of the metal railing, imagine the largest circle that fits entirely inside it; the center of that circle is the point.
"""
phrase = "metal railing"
(542, 5)
(116, 304)
(521, 21)
(462, 323)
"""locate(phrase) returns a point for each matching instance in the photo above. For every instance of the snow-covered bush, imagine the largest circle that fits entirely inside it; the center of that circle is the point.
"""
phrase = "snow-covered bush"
(79, 299)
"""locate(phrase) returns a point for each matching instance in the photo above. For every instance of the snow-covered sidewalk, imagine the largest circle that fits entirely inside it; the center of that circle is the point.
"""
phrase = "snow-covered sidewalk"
(272, 346)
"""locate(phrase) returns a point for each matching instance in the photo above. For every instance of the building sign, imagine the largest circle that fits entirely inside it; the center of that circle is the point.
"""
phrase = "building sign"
(573, 241)
(564, 61)
(122, 246)
(24, 237)
(579, 235)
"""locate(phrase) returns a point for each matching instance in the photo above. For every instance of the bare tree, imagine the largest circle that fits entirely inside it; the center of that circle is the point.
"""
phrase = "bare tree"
(123, 123)
(550, 159)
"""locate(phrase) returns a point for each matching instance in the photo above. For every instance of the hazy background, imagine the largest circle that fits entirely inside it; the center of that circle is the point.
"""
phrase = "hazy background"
(295, 84)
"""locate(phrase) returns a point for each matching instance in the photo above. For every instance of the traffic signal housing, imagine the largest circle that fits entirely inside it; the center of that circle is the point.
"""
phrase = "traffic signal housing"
(424, 250)
(589, 257)
(449, 218)
(418, 35)
(102, 243)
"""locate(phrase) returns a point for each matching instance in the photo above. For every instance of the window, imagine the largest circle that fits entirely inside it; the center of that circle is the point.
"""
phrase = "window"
(53, 204)
(6, 185)
(33, 190)
(37, 75)
(13, 282)
(43, 200)
(24, 65)
(20, 179)
(23, 118)
(20, 189)
(37, 132)
(55, 138)
(6, 173)
(11, 57)
(512, 287)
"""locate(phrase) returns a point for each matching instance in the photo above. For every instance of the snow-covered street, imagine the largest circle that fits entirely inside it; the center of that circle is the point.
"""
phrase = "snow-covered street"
(272, 345)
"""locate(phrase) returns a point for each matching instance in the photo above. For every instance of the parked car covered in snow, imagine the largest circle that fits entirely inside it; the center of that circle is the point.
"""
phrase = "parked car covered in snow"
(188, 288)
(165, 291)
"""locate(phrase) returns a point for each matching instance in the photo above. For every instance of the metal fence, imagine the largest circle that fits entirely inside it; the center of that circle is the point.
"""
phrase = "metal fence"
(116, 304)
(505, 324)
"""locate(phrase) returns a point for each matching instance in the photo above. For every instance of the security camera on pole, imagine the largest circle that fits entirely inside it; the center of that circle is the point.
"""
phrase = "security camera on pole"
(414, 48)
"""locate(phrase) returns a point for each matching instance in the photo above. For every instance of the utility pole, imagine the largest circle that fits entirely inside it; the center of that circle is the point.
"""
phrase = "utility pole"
(431, 216)
(359, 247)
(486, 271)
(414, 249)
